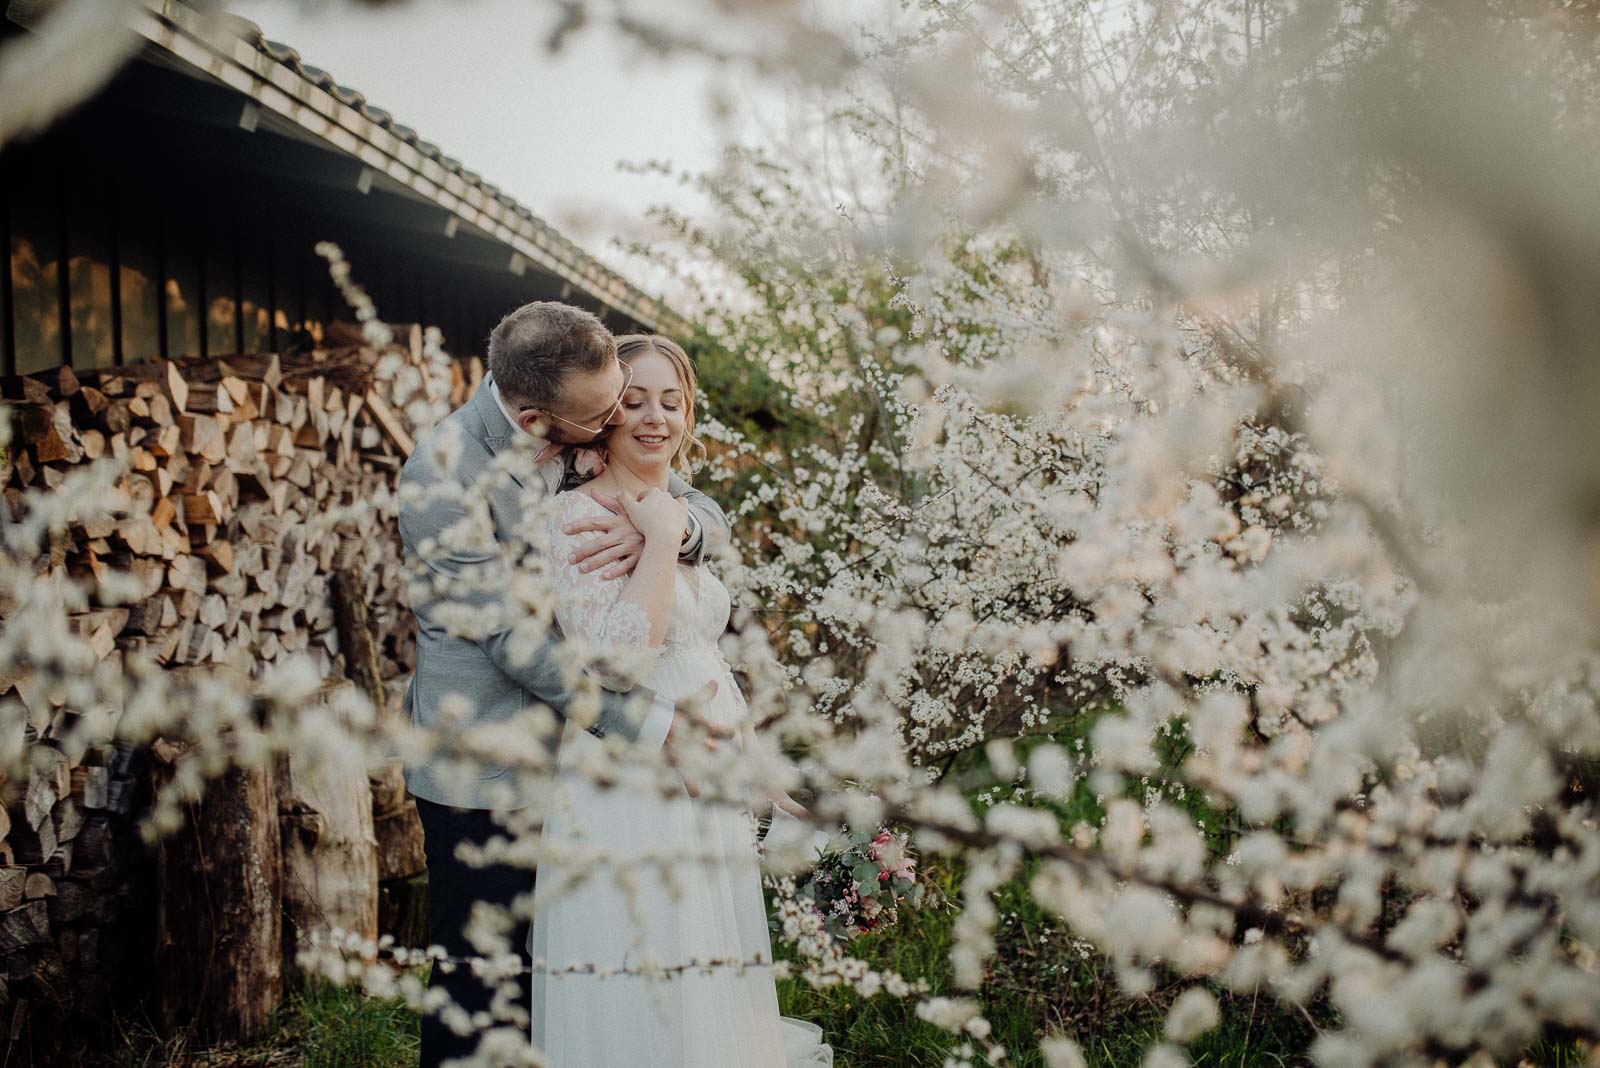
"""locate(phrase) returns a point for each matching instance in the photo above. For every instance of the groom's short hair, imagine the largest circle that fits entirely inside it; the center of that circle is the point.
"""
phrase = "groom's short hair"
(536, 347)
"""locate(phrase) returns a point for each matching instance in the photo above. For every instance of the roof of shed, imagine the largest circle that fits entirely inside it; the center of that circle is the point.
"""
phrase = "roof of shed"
(234, 51)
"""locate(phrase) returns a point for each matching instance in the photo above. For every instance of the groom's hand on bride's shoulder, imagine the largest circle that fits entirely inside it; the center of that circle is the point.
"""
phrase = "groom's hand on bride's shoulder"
(618, 545)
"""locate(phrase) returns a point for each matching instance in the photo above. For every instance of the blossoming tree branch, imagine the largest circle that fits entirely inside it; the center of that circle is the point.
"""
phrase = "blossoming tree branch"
(1182, 408)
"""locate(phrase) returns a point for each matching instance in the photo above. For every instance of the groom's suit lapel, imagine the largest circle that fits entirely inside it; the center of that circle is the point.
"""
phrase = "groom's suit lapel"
(497, 431)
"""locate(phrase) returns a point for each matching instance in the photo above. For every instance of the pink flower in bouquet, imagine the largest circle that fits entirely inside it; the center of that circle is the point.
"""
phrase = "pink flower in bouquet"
(587, 463)
(890, 852)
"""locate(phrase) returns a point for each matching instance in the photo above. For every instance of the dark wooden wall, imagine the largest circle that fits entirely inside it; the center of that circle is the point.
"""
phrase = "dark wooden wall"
(153, 222)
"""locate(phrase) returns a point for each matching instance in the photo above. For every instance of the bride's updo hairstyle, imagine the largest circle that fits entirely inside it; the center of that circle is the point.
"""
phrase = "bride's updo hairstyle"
(632, 346)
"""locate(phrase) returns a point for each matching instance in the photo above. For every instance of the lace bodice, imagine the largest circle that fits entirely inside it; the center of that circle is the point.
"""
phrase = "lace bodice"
(589, 608)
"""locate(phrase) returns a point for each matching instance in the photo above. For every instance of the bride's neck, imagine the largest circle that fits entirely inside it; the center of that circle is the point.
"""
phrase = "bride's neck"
(620, 476)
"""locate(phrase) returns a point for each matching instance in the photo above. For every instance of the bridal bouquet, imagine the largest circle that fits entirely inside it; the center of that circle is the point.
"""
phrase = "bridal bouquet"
(860, 887)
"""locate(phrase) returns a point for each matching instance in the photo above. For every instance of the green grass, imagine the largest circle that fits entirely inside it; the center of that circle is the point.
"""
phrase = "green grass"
(1040, 981)
(343, 1029)
(320, 1026)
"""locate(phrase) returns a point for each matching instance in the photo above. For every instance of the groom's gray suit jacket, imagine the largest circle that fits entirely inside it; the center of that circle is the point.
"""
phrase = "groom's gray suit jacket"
(455, 522)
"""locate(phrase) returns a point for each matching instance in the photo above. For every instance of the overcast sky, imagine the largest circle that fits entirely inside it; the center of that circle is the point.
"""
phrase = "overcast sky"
(473, 77)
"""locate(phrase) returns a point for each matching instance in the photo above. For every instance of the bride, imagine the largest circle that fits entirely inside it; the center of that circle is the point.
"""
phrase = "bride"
(644, 917)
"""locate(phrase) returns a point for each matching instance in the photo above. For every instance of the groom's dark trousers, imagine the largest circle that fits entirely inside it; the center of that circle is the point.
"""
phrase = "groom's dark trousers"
(453, 886)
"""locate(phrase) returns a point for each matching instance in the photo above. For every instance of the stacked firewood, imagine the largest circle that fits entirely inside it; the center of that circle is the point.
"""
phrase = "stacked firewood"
(244, 526)
(65, 881)
(229, 460)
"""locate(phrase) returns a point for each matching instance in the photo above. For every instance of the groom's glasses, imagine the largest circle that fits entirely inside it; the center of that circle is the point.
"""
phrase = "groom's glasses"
(605, 420)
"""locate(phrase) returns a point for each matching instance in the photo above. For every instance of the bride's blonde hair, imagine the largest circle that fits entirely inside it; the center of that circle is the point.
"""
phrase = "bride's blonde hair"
(630, 346)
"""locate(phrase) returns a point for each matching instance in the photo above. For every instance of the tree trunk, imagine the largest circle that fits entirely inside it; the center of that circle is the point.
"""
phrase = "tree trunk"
(362, 664)
(330, 854)
(403, 910)
(397, 826)
(399, 834)
(219, 934)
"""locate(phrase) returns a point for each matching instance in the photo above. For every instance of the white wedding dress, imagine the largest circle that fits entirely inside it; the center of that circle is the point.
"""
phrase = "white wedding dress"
(671, 915)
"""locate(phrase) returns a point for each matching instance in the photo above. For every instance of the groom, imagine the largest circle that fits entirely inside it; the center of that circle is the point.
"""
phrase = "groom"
(554, 381)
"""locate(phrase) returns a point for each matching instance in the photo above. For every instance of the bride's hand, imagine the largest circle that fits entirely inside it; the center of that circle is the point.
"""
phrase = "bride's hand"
(618, 546)
(658, 516)
(782, 802)
(686, 712)
(686, 716)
